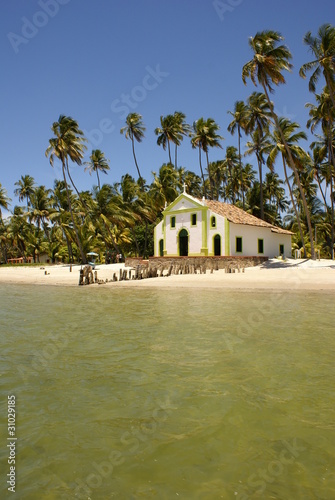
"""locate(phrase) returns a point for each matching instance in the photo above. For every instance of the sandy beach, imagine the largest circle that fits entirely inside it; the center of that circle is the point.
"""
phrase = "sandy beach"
(273, 275)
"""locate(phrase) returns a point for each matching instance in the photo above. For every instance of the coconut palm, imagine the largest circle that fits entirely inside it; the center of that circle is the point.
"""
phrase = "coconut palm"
(259, 113)
(323, 49)
(164, 186)
(239, 122)
(205, 136)
(25, 188)
(167, 133)
(134, 130)
(182, 129)
(290, 131)
(68, 143)
(4, 201)
(40, 208)
(231, 164)
(266, 67)
(260, 146)
(98, 163)
(323, 114)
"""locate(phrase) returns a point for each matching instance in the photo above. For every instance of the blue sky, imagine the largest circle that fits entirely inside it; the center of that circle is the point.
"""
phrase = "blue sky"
(98, 60)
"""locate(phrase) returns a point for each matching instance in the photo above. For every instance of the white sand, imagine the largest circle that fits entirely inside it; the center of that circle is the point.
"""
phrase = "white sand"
(273, 275)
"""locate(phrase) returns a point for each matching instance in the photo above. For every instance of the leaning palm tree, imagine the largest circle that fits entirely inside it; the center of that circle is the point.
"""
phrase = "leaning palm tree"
(292, 135)
(323, 49)
(134, 130)
(25, 188)
(98, 163)
(68, 143)
(205, 136)
(266, 67)
(239, 122)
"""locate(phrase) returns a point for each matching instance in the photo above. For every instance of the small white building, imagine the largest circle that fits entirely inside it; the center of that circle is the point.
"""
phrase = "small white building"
(196, 227)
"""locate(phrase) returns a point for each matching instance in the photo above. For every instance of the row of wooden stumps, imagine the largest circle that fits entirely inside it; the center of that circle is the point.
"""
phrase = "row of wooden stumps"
(141, 272)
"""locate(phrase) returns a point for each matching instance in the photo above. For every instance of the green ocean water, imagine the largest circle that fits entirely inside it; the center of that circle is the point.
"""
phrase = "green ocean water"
(153, 394)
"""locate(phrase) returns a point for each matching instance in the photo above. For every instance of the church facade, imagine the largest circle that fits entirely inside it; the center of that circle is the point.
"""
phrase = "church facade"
(194, 227)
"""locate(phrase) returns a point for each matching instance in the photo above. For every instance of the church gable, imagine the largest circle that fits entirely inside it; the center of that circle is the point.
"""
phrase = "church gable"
(184, 202)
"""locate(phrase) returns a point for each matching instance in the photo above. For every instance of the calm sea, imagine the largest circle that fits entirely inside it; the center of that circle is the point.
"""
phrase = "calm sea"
(155, 394)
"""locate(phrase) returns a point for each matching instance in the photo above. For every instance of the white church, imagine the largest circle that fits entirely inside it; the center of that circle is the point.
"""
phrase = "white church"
(194, 227)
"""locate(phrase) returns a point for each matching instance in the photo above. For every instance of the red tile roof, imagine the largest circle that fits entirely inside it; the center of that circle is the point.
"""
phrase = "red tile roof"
(239, 216)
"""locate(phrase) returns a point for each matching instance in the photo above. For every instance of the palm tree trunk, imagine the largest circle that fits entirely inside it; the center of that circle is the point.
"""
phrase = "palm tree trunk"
(210, 177)
(98, 180)
(332, 164)
(138, 170)
(239, 156)
(294, 206)
(82, 254)
(175, 157)
(330, 89)
(169, 150)
(202, 174)
(261, 201)
(293, 167)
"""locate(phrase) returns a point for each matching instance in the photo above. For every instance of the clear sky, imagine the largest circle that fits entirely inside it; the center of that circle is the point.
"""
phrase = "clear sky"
(98, 60)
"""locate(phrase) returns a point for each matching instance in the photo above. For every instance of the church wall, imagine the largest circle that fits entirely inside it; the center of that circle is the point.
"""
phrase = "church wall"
(250, 236)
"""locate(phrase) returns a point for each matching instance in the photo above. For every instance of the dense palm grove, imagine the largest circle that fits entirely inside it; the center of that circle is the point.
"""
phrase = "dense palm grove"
(118, 219)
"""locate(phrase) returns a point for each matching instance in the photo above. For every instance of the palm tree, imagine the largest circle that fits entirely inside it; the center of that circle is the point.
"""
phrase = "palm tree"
(324, 114)
(231, 164)
(67, 143)
(164, 186)
(4, 204)
(205, 136)
(259, 145)
(98, 163)
(4, 200)
(134, 130)
(25, 188)
(182, 129)
(323, 49)
(292, 136)
(266, 67)
(166, 133)
(239, 122)
(258, 114)
(40, 208)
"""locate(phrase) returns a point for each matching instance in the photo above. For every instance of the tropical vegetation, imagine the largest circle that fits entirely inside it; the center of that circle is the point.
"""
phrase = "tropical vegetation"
(64, 223)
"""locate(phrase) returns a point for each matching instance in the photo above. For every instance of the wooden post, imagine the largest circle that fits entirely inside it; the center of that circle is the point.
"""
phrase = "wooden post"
(81, 277)
(95, 276)
(120, 274)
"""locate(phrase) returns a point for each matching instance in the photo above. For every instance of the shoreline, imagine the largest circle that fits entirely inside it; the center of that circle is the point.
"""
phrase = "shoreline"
(274, 275)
